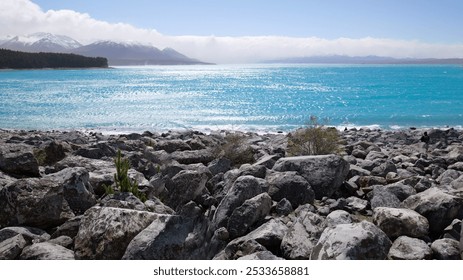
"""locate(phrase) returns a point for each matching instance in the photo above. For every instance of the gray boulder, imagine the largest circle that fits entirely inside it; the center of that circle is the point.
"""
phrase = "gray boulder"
(408, 248)
(18, 161)
(97, 151)
(262, 255)
(172, 237)
(325, 174)
(248, 214)
(358, 241)
(34, 202)
(105, 232)
(46, 251)
(171, 146)
(396, 222)
(51, 152)
(446, 249)
(382, 197)
(267, 237)
(197, 156)
(438, 207)
(338, 217)
(219, 165)
(291, 186)
(12, 247)
(76, 188)
(383, 169)
(245, 187)
(69, 228)
(185, 186)
(30, 234)
(302, 236)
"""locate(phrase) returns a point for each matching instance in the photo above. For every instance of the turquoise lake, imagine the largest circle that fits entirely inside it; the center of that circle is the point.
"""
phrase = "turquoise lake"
(238, 97)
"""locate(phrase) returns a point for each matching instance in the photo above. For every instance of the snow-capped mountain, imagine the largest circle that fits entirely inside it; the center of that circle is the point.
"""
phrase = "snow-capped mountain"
(129, 53)
(41, 42)
(117, 53)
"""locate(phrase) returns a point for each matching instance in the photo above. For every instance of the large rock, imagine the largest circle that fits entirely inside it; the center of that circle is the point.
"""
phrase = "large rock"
(105, 232)
(51, 152)
(302, 236)
(382, 197)
(408, 248)
(291, 186)
(172, 237)
(245, 187)
(46, 251)
(97, 151)
(248, 214)
(34, 202)
(171, 146)
(30, 234)
(325, 174)
(397, 222)
(18, 161)
(445, 249)
(185, 186)
(267, 237)
(76, 188)
(12, 247)
(438, 207)
(359, 241)
(197, 156)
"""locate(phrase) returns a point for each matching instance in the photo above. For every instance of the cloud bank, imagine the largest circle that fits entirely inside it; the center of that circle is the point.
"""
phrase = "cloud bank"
(20, 17)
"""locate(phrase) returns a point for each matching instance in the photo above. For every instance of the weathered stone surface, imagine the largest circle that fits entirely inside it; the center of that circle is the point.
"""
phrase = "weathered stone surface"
(185, 186)
(18, 161)
(290, 186)
(30, 234)
(172, 237)
(446, 249)
(76, 188)
(325, 174)
(302, 236)
(124, 200)
(105, 232)
(46, 251)
(219, 165)
(51, 152)
(396, 222)
(248, 214)
(69, 228)
(245, 187)
(408, 248)
(197, 156)
(383, 169)
(283, 207)
(262, 255)
(171, 146)
(438, 207)
(359, 241)
(382, 197)
(12, 247)
(267, 237)
(33, 202)
(268, 161)
(338, 217)
(97, 151)
(65, 241)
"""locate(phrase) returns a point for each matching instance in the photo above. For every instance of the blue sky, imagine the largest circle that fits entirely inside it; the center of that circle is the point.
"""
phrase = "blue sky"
(433, 21)
(242, 31)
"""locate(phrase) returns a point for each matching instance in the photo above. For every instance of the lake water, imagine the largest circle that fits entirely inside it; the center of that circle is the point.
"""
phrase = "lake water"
(238, 97)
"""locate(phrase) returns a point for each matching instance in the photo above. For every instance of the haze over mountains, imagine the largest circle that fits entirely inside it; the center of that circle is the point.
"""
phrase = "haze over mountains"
(117, 53)
(131, 53)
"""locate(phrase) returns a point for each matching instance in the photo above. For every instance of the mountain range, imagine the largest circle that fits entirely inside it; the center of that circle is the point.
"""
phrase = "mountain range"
(342, 59)
(117, 53)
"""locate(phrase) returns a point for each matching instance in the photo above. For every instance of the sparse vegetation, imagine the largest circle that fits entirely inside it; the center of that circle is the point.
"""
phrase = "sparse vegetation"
(121, 179)
(314, 139)
(236, 149)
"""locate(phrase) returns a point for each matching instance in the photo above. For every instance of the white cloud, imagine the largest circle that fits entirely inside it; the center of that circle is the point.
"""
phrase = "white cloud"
(20, 17)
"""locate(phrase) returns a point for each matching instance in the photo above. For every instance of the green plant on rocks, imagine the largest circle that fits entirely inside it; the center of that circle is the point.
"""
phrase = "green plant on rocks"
(314, 139)
(122, 180)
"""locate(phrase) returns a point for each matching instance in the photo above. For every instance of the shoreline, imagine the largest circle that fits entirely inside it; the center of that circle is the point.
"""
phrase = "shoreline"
(234, 195)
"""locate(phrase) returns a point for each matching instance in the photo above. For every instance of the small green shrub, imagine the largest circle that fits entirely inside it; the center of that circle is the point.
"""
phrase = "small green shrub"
(122, 180)
(314, 139)
(236, 148)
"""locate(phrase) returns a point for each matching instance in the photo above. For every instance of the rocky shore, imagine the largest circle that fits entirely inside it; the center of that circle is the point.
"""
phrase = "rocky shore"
(384, 197)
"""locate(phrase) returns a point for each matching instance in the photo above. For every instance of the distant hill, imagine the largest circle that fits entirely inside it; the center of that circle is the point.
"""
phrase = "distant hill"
(23, 60)
(135, 54)
(340, 59)
(117, 53)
